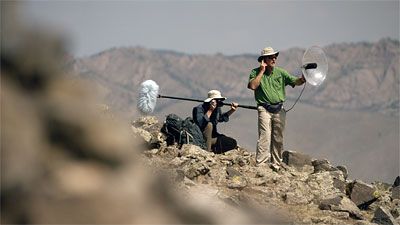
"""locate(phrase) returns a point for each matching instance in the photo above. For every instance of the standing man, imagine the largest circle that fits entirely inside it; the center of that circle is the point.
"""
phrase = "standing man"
(207, 116)
(268, 83)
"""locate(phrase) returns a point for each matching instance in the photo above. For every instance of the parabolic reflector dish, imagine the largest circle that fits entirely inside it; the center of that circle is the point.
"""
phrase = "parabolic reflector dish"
(314, 65)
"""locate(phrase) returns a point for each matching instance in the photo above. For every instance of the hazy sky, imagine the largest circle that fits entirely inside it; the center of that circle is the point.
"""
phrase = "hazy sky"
(209, 27)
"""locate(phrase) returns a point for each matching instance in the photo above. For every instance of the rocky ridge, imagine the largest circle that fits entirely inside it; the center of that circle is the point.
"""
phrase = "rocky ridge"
(304, 190)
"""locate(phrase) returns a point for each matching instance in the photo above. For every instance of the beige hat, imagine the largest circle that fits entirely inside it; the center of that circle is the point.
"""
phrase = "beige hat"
(214, 94)
(266, 52)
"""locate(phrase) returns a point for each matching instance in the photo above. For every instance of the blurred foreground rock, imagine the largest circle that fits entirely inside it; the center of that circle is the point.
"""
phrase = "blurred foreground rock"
(64, 161)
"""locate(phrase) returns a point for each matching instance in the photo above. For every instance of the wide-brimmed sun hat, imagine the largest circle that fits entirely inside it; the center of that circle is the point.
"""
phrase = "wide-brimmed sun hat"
(214, 94)
(266, 52)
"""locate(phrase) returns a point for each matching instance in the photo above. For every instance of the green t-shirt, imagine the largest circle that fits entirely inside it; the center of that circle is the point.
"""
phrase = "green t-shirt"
(272, 86)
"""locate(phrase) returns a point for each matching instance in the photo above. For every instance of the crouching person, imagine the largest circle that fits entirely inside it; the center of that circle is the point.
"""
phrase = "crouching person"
(207, 116)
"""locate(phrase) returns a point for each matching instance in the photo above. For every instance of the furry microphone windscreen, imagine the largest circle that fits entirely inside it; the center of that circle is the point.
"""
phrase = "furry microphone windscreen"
(147, 97)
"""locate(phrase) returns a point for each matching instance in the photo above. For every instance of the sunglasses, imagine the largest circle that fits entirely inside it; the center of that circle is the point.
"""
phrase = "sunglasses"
(271, 57)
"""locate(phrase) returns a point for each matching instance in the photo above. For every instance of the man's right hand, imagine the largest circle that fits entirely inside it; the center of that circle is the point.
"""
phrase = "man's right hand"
(263, 65)
(253, 85)
(213, 105)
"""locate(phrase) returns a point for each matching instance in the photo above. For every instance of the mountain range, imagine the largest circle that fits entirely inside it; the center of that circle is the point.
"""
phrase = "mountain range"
(361, 76)
(352, 117)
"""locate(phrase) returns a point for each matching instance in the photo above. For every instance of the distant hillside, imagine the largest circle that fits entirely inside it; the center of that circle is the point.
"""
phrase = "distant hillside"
(361, 76)
(352, 118)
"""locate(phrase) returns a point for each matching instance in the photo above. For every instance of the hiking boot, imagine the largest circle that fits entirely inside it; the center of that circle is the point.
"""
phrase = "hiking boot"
(275, 167)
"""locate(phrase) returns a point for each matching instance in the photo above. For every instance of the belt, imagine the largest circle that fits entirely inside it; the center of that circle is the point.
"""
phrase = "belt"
(272, 107)
(269, 103)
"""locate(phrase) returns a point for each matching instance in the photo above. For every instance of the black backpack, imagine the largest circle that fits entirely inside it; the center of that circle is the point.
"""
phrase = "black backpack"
(182, 131)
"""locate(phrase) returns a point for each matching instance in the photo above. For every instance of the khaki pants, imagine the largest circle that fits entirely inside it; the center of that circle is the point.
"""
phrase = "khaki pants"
(207, 133)
(271, 128)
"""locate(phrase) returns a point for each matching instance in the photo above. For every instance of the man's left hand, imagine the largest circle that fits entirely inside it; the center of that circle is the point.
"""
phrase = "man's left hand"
(303, 79)
(300, 81)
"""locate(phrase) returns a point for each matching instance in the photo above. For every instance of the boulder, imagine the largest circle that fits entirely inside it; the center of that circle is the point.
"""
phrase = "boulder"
(196, 161)
(339, 184)
(168, 152)
(327, 203)
(231, 172)
(396, 192)
(341, 204)
(237, 182)
(363, 222)
(396, 182)
(238, 156)
(396, 188)
(325, 220)
(344, 170)
(194, 151)
(142, 133)
(322, 186)
(321, 165)
(148, 128)
(193, 170)
(395, 212)
(298, 193)
(362, 194)
(339, 215)
(296, 159)
(383, 216)
(395, 208)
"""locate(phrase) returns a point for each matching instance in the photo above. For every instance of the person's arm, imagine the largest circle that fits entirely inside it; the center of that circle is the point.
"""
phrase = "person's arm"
(202, 117)
(293, 80)
(300, 81)
(224, 117)
(253, 85)
(234, 106)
